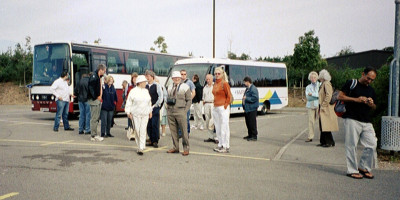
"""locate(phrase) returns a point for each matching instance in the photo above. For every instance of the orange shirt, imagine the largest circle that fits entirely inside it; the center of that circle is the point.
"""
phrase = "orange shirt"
(222, 95)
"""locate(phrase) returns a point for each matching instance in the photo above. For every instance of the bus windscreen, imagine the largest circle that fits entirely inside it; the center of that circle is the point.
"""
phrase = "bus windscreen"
(48, 62)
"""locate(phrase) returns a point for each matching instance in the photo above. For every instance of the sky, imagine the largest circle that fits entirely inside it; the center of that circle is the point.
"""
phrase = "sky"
(254, 27)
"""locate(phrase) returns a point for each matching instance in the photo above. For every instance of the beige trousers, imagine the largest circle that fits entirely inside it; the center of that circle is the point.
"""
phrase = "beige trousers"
(312, 118)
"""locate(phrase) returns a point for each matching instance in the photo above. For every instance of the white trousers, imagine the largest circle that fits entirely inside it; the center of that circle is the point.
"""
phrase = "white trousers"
(140, 130)
(364, 133)
(208, 109)
(221, 122)
(198, 115)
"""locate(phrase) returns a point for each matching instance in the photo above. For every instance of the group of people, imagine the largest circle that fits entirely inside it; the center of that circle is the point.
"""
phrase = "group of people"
(144, 98)
(360, 99)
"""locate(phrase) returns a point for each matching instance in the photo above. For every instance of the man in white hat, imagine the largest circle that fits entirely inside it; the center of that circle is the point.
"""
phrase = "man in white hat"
(178, 104)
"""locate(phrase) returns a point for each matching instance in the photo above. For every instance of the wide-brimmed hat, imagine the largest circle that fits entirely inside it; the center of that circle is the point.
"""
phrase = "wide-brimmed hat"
(141, 78)
(176, 74)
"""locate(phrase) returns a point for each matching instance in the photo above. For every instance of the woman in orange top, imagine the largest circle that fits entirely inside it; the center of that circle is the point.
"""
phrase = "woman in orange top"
(222, 100)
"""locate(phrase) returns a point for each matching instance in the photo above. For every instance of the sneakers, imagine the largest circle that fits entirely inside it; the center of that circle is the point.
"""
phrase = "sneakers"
(97, 138)
(163, 134)
(201, 128)
(221, 150)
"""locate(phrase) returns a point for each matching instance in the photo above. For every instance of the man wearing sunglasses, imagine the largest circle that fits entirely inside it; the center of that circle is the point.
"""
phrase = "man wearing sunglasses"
(193, 90)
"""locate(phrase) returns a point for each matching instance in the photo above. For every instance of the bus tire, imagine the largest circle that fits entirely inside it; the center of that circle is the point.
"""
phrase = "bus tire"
(264, 109)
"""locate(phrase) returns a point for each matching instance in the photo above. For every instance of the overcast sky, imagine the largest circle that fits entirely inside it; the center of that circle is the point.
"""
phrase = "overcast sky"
(255, 27)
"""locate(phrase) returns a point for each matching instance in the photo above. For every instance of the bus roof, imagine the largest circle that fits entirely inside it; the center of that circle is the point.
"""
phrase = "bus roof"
(107, 47)
(228, 62)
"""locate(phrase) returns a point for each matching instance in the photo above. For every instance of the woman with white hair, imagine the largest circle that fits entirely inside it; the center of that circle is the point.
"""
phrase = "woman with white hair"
(138, 107)
(327, 116)
(222, 100)
(312, 103)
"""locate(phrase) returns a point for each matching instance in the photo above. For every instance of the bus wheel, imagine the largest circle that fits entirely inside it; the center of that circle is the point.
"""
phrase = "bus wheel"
(264, 109)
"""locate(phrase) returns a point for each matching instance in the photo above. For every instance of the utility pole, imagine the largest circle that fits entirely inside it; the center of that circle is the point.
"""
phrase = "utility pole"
(390, 133)
(213, 28)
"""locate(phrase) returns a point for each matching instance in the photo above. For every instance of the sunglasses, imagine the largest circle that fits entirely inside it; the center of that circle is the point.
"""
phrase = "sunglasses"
(183, 74)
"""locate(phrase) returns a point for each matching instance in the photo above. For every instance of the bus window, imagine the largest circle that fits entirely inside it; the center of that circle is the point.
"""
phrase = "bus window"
(97, 60)
(254, 73)
(115, 62)
(162, 64)
(236, 75)
(137, 62)
(273, 77)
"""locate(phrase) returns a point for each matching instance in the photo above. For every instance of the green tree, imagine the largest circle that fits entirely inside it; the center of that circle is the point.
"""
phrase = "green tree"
(232, 55)
(161, 45)
(16, 65)
(306, 57)
(347, 50)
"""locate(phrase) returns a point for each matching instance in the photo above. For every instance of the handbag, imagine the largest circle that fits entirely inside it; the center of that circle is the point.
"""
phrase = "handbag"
(130, 133)
(340, 106)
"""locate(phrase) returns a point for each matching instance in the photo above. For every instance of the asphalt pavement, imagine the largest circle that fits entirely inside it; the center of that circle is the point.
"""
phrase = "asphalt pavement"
(37, 163)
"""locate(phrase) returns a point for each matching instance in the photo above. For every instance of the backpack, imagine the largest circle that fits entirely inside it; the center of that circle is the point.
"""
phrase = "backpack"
(340, 106)
(231, 101)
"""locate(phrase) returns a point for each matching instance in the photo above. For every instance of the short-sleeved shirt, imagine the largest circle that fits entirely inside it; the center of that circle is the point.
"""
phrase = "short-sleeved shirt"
(358, 111)
(190, 84)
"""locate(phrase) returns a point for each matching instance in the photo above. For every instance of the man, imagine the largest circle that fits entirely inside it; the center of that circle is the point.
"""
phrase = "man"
(197, 106)
(193, 93)
(94, 99)
(208, 102)
(156, 94)
(178, 103)
(82, 91)
(250, 105)
(357, 124)
(60, 90)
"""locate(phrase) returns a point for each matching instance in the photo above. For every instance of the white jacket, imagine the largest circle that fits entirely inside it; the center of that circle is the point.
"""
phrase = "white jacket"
(138, 102)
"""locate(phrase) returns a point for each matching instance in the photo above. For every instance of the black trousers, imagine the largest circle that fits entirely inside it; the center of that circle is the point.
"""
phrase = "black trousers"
(326, 136)
(251, 123)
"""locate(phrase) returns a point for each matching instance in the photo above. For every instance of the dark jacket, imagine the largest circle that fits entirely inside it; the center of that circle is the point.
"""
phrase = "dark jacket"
(94, 86)
(199, 92)
(109, 97)
(82, 90)
(251, 102)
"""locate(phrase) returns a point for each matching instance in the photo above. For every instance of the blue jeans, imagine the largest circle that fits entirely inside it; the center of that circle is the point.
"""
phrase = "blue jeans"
(62, 110)
(84, 118)
(153, 126)
(106, 120)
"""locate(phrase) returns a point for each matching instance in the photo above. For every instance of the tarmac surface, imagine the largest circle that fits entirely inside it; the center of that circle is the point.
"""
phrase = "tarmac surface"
(37, 163)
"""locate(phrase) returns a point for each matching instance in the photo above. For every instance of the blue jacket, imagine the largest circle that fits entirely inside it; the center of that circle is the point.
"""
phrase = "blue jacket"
(251, 102)
(109, 97)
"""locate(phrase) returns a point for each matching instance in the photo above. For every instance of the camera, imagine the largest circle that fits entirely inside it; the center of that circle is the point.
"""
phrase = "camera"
(171, 101)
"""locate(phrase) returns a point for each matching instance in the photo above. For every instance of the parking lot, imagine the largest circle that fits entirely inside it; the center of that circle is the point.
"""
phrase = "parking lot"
(37, 163)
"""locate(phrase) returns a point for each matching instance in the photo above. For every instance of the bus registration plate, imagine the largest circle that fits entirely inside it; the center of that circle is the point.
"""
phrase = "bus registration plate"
(44, 109)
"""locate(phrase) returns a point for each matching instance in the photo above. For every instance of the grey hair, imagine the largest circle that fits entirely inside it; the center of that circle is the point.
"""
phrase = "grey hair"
(151, 73)
(313, 73)
(324, 74)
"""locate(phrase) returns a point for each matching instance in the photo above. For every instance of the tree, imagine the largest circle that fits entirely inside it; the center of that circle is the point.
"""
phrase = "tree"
(306, 57)
(161, 45)
(232, 55)
(347, 50)
(97, 41)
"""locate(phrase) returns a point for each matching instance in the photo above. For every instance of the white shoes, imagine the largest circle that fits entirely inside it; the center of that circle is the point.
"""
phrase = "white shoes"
(163, 134)
(97, 138)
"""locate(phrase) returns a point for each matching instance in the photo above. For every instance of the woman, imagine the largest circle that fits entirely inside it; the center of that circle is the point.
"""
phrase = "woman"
(327, 117)
(138, 108)
(107, 108)
(131, 85)
(222, 99)
(312, 103)
(197, 105)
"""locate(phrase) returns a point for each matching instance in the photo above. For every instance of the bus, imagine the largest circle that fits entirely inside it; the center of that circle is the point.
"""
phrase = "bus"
(269, 78)
(50, 59)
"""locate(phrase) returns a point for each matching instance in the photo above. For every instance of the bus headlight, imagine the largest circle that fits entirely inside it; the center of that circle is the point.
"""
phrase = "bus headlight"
(52, 97)
(37, 97)
(33, 97)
